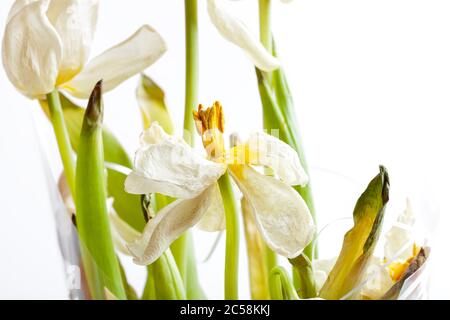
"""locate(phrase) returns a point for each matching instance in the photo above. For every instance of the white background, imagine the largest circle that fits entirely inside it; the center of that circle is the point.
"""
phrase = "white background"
(371, 82)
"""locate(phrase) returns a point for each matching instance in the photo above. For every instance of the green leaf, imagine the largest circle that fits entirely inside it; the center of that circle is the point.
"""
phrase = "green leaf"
(359, 242)
(127, 206)
(92, 211)
(151, 100)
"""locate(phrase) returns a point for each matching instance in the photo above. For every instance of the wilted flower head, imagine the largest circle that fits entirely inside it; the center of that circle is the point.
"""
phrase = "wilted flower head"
(47, 44)
(168, 165)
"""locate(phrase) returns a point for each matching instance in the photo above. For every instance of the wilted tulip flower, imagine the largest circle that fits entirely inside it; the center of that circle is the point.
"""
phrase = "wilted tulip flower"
(168, 165)
(47, 44)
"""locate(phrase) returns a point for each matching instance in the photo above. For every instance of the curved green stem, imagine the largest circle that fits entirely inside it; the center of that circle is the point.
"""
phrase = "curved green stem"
(303, 275)
(232, 238)
(281, 287)
(62, 138)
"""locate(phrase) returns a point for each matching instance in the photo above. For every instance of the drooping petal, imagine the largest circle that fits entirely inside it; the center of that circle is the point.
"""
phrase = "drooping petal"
(266, 150)
(169, 223)
(235, 31)
(122, 232)
(75, 21)
(168, 165)
(32, 50)
(399, 243)
(214, 218)
(119, 63)
(282, 216)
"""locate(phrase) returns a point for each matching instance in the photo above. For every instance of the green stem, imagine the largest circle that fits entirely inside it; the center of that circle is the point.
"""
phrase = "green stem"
(62, 138)
(183, 248)
(265, 34)
(271, 258)
(191, 84)
(303, 275)
(179, 252)
(275, 288)
(286, 106)
(92, 212)
(149, 289)
(232, 238)
(285, 115)
(164, 280)
(281, 287)
(194, 290)
(168, 282)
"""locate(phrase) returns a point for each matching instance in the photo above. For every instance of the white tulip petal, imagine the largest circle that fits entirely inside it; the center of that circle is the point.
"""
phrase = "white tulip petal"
(266, 150)
(235, 31)
(17, 7)
(169, 223)
(399, 243)
(122, 232)
(32, 50)
(168, 165)
(281, 215)
(378, 280)
(214, 217)
(75, 21)
(119, 63)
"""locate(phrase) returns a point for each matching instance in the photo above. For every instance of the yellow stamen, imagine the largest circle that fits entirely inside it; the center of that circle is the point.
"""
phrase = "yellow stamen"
(398, 268)
(210, 125)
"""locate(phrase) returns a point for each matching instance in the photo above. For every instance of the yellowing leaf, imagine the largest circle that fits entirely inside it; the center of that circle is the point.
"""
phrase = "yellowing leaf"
(360, 241)
(259, 275)
(151, 99)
